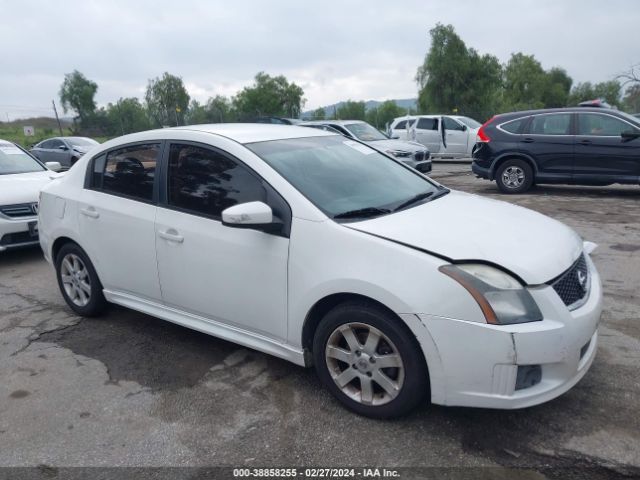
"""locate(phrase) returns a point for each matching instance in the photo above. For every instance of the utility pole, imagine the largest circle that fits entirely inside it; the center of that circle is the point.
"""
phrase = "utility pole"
(57, 119)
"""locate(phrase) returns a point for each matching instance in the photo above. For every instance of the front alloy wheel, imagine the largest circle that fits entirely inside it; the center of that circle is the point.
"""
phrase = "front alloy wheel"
(364, 363)
(370, 360)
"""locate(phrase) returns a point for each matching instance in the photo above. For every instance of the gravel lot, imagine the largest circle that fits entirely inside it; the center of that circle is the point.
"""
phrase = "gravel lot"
(130, 390)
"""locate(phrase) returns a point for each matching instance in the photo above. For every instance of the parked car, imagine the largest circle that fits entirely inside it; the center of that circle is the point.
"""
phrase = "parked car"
(580, 145)
(64, 150)
(411, 153)
(450, 136)
(325, 252)
(21, 177)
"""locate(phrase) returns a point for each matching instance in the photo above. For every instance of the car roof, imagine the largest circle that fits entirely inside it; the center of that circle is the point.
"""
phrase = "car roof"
(239, 132)
(336, 122)
(524, 113)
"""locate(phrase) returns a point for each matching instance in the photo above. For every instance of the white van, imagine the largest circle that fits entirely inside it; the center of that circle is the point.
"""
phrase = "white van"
(444, 135)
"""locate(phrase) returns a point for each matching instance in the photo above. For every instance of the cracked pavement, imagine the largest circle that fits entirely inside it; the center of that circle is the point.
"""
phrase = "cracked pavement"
(130, 390)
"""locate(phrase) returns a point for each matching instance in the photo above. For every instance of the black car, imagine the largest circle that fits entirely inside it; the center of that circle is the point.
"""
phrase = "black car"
(581, 146)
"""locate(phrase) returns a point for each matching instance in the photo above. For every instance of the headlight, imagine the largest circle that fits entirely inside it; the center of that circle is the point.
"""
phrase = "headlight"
(398, 153)
(502, 299)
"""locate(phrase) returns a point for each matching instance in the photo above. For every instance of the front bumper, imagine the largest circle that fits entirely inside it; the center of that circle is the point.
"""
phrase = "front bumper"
(18, 232)
(476, 364)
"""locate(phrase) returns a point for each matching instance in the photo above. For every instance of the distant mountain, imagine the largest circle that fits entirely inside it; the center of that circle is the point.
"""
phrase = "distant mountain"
(405, 103)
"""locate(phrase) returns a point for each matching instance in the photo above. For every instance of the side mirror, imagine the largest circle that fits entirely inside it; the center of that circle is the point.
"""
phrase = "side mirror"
(464, 128)
(630, 135)
(395, 137)
(53, 166)
(62, 147)
(253, 215)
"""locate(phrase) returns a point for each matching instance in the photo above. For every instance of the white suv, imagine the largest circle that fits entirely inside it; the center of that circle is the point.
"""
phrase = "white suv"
(451, 136)
(323, 251)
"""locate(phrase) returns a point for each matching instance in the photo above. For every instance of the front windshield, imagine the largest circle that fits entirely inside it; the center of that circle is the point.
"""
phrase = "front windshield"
(469, 122)
(81, 142)
(365, 132)
(345, 179)
(16, 160)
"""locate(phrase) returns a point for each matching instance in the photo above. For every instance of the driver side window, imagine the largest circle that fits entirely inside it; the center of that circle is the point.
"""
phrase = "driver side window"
(451, 124)
(595, 124)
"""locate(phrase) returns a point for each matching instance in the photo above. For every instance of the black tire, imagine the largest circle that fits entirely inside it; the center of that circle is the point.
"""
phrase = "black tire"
(96, 303)
(415, 379)
(521, 176)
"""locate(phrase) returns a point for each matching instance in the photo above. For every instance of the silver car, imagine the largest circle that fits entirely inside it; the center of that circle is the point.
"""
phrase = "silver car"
(64, 150)
(413, 154)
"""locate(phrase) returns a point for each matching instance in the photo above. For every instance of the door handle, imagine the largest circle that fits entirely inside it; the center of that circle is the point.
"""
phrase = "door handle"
(586, 142)
(527, 140)
(90, 212)
(171, 235)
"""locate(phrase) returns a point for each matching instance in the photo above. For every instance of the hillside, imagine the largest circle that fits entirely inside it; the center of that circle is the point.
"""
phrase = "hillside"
(368, 105)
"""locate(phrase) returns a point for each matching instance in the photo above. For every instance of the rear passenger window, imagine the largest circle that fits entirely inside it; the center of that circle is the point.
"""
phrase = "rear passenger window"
(556, 124)
(514, 126)
(207, 182)
(428, 124)
(402, 124)
(129, 171)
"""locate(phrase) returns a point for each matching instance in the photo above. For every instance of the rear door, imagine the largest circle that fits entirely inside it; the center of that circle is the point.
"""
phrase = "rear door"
(601, 152)
(428, 133)
(548, 139)
(116, 216)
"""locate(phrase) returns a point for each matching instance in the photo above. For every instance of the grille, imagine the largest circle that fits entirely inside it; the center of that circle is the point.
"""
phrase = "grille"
(21, 210)
(10, 239)
(573, 285)
(418, 156)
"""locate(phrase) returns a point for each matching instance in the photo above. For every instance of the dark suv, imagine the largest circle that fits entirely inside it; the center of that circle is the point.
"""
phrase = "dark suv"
(581, 146)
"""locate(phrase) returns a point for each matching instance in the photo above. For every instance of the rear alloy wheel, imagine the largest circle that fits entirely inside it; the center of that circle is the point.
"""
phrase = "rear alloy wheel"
(370, 361)
(78, 281)
(514, 176)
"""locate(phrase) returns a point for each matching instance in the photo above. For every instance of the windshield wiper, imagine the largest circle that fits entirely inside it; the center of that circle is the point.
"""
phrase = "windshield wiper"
(363, 212)
(414, 199)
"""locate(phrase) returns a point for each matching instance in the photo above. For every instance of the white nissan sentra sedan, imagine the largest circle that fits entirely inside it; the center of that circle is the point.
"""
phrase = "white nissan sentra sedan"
(323, 251)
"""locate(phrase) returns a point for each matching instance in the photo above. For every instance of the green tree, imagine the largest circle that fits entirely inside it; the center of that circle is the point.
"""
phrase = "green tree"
(557, 88)
(78, 93)
(455, 78)
(351, 110)
(220, 109)
(319, 114)
(609, 91)
(631, 102)
(167, 100)
(384, 113)
(525, 82)
(269, 96)
(127, 115)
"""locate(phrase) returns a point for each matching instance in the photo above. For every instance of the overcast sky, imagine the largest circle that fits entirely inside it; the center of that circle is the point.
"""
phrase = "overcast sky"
(335, 50)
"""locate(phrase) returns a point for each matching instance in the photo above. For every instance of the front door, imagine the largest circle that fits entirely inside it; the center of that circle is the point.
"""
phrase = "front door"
(455, 136)
(549, 140)
(602, 155)
(229, 275)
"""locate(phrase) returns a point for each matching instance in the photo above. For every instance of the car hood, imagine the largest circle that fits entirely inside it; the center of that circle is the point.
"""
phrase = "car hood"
(397, 145)
(465, 227)
(23, 187)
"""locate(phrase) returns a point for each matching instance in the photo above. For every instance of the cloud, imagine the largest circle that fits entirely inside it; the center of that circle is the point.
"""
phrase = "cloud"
(335, 49)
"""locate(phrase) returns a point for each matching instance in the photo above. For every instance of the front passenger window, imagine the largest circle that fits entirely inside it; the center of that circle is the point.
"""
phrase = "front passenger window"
(207, 182)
